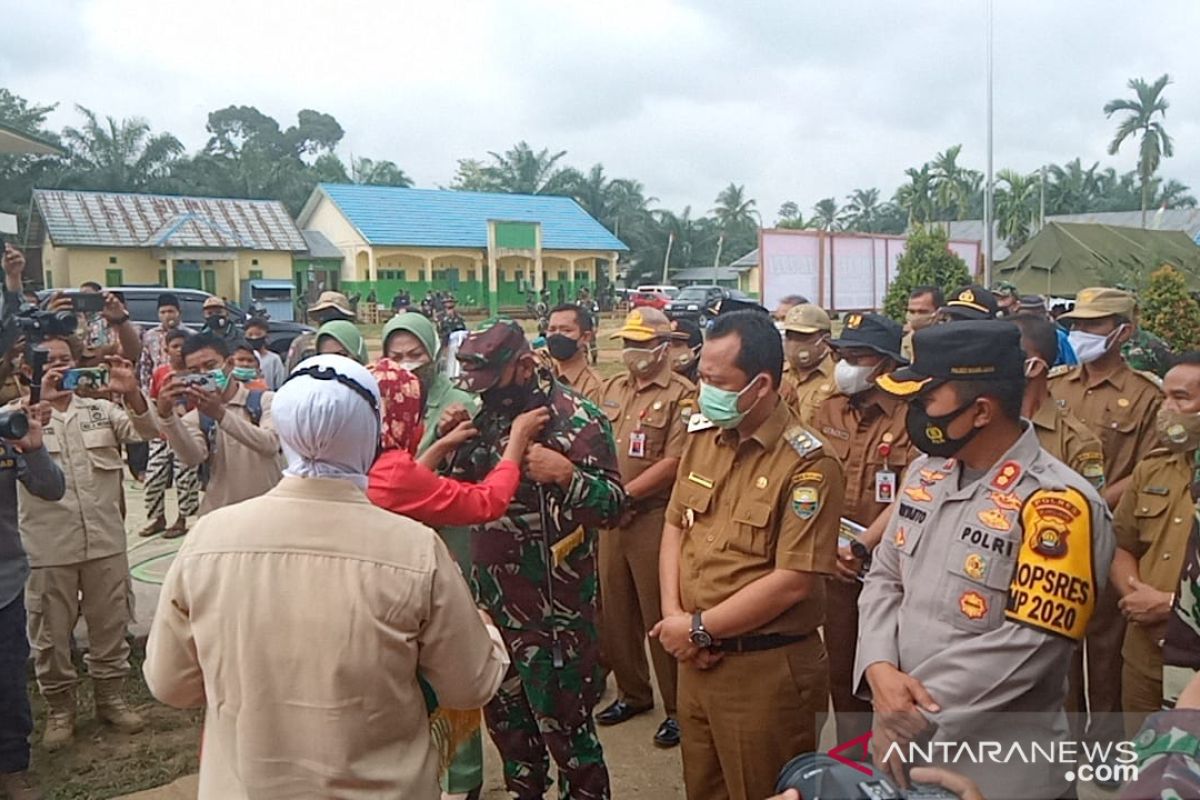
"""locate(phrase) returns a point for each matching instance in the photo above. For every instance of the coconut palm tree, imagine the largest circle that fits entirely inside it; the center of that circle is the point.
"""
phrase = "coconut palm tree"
(1071, 189)
(863, 210)
(734, 214)
(520, 170)
(1141, 119)
(917, 196)
(953, 185)
(117, 156)
(378, 173)
(1016, 206)
(1174, 194)
(827, 216)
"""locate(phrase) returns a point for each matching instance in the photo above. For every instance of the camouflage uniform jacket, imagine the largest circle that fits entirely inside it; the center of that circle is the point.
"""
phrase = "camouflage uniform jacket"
(510, 555)
(1145, 352)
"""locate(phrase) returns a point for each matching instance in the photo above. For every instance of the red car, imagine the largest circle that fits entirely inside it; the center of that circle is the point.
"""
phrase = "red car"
(652, 299)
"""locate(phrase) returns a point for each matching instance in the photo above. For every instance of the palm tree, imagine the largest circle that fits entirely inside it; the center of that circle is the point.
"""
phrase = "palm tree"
(118, 156)
(378, 173)
(1071, 189)
(1174, 194)
(826, 215)
(863, 210)
(522, 171)
(1015, 206)
(1156, 144)
(788, 212)
(734, 214)
(916, 196)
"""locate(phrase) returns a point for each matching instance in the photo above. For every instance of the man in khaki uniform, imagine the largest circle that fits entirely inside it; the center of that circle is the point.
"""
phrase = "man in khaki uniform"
(751, 531)
(230, 430)
(1119, 405)
(1153, 522)
(809, 376)
(568, 337)
(1058, 430)
(864, 428)
(649, 407)
(76, 545)
(957, 620)
(923, 305)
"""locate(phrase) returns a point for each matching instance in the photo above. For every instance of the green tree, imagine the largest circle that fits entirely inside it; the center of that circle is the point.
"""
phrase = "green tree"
(20, 173)
(1016, 206)
(1142, 118)
(927, 261)
(378, 173)
(520, 170)
(953, 185)
(1169, 310)
(736, 221)
(827, 216)
(788, 211)
(117, 156)
(916, 197)
(863, 210)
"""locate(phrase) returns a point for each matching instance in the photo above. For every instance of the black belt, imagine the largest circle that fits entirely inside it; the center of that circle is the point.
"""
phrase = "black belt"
(755, 644)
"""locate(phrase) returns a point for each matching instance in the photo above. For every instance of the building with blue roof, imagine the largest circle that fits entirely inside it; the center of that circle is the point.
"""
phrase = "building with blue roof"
(487, 248)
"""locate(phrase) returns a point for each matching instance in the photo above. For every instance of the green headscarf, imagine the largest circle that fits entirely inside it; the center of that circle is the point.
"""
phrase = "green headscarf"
(419, 326)
(347, 335)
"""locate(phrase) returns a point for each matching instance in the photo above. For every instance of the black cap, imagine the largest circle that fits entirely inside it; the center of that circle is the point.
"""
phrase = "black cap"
(731, 304)
(972, 350)
(971, 302)
(168, 299)
(873, 331)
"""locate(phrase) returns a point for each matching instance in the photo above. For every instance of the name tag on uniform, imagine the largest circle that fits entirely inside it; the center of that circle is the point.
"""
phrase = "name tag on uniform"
(885, 486)
(637, 444)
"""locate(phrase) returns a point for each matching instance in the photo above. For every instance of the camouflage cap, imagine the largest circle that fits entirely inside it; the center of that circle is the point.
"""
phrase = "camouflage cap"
(486, 350)
(1100, 301)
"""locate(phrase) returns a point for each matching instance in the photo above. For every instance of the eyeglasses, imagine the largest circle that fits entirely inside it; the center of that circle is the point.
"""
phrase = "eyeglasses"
(330, 374)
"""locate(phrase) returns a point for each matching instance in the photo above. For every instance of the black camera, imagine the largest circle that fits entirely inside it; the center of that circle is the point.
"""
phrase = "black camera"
(14, 424)
(819, 777)
(37, 324)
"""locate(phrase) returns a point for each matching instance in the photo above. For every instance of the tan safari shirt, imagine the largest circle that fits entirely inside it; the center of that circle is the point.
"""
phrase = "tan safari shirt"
(85, 442)
(1070, 441)
(806, 394)
(748, 507)
(1152, 523)
(580, 377)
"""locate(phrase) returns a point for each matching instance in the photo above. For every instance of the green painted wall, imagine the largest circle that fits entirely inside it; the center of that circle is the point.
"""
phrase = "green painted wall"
(516, 235)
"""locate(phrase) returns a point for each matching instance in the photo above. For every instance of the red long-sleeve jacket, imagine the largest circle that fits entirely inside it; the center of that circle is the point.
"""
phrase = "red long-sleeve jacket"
(400, 484)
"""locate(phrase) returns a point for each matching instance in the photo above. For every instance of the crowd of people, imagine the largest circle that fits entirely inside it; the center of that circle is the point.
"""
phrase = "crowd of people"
(986, 513)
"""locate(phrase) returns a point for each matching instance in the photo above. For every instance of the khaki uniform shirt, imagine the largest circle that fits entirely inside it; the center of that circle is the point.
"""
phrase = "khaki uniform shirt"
(855, 433)
(1120, 409)
(1063, 436)
(748, 507)
(245, 461)
(935, 602)
(87, 523)
(807, 393)
(1153, 522)
(659, 412)
(304, 644)
(580, 377)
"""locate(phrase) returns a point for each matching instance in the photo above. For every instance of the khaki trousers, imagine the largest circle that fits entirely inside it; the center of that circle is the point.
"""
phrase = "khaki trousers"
(1141, 695)
(853, 714)
(747, 716)
(53, 599)
(1105, 637)
(630, 607)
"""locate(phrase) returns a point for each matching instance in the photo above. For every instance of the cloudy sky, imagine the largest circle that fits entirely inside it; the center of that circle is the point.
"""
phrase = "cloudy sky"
(796, 100)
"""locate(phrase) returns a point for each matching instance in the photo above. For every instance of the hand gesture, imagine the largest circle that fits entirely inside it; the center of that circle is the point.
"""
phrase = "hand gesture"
(461, 434)
(60, 302)
(170, 394)
(114, 310)
(52, 382)
(528, 425)
(121, 379)
(899, 699)
(1145, 605)
(211, 404)
(543, 465)
(14, 265)
(451, 417)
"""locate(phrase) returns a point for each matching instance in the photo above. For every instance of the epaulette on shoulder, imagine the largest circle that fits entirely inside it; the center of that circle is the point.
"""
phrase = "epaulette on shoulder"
(1150, 376)
(802, 440)
(1059, 371)
(699, 422)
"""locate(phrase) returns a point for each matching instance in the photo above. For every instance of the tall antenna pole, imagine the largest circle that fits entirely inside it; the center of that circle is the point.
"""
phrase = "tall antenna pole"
(987, 191)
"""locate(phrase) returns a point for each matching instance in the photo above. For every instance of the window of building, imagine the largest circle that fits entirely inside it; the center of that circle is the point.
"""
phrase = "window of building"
(253, 262)
(48, 277)
(162, 277)
(256, 274)
(112, 259)
(113, 277)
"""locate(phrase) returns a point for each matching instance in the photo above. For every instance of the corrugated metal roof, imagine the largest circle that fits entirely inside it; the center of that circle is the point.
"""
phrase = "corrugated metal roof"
(748, 260)
(106, 219)
(319, 246)
(389, 215)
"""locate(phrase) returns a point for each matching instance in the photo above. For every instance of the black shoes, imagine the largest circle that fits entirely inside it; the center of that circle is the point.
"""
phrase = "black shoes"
(619, 712)
(667, 734)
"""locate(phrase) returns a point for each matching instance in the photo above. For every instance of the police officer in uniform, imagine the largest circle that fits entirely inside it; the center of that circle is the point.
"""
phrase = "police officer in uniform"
(751, 531)
(649, 408)
(1153, 521)
(1119, 405)
(957, 615)
(809, 376)
(864, 428)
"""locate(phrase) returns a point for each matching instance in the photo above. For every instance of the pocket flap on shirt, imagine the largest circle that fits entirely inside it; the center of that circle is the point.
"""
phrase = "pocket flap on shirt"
(754, 513)
(694, 496)
(1151, 505)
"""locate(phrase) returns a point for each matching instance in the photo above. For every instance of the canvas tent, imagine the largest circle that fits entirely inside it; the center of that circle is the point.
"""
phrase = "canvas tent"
(1065, 257)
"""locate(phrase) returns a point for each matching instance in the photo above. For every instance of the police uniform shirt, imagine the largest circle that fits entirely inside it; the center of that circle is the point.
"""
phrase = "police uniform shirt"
(1153, 522)
(85, 442)
(748, 507)
(650, 423)
(1119, 408)
(810, 391)
(936, 602)
(859, 434)
(1063, 436)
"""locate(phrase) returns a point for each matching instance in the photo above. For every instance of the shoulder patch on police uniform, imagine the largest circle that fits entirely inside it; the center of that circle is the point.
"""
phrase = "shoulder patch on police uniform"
(802, 441)
(810, 477)
(1061, 369)
(1053, 586)
(1151, 377)
(699, 422)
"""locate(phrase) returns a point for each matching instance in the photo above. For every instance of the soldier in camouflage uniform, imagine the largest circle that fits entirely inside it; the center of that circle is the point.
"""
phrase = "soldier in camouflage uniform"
(570, 487)
(1145, 352)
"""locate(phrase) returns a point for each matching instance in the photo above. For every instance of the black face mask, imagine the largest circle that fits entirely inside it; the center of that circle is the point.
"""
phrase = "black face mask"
(929, 433)
(257, 342)
(562, 348)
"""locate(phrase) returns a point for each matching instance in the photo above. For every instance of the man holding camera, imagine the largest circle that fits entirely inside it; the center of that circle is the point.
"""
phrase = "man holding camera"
(230, 430)
(77, 544)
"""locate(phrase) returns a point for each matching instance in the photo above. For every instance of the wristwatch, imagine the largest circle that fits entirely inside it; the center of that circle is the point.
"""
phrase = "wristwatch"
(699, 636)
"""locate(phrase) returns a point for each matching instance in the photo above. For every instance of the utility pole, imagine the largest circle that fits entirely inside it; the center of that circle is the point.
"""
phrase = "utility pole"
(987, 191)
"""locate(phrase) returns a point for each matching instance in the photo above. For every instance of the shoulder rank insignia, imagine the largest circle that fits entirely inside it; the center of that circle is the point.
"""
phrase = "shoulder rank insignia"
(1061, 369)
(802, 441)
(699, 422)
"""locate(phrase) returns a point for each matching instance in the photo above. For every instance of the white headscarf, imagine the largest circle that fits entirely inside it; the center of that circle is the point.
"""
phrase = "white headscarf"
(327, 429)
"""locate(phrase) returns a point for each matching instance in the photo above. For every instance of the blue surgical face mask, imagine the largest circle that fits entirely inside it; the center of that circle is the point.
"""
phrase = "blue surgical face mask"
(720, 406)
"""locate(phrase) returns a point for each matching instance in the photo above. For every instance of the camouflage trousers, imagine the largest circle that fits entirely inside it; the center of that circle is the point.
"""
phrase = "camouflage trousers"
(542, 711)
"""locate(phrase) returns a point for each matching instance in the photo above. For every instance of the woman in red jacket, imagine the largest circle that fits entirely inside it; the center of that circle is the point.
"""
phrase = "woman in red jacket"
(409, 486)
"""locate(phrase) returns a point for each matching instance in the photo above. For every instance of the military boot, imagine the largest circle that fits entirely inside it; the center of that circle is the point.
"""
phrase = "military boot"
(60, 720)
(112, 709)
